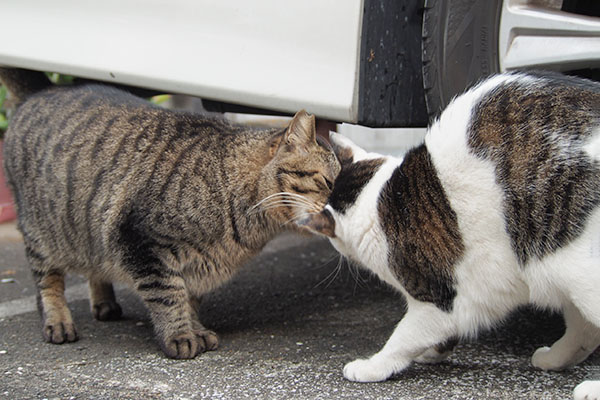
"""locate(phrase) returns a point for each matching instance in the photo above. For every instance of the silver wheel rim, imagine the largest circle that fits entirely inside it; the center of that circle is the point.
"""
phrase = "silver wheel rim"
(536, 34)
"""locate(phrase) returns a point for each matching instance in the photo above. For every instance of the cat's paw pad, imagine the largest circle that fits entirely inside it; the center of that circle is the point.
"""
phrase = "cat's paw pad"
(587, 390)
(107, 311)
(59, 332)
(545, 359)
(364, 371)
(211, 340)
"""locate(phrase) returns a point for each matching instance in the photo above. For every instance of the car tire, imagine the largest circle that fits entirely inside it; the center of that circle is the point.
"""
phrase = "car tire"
(459, 47)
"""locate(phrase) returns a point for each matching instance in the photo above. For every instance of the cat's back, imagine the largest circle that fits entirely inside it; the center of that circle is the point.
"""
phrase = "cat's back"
(517, 109)
(61, 101)
(520, 152)
(80, 98)
(531, 113)
(77, 158)
(58, 119)
(93, 128)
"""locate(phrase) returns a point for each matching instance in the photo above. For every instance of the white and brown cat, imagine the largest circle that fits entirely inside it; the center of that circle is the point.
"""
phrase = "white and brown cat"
(500, 207)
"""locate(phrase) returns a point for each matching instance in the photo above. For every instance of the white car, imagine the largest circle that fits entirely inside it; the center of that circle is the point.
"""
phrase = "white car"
(372, 62)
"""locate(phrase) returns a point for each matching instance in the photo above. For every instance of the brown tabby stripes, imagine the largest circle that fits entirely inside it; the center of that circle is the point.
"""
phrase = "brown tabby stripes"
(421, 229)
(114, 188)
(550, 188)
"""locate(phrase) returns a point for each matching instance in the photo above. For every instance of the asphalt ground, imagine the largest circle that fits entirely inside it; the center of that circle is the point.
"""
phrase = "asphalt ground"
(287, 325)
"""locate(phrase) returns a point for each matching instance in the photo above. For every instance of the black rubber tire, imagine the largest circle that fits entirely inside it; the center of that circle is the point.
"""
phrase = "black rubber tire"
(459, 47)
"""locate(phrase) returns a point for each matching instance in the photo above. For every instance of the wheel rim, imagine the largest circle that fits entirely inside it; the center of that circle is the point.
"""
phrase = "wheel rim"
(536, 34)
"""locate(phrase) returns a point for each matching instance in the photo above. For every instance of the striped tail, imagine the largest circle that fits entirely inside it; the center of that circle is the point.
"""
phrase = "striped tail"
(22, 83)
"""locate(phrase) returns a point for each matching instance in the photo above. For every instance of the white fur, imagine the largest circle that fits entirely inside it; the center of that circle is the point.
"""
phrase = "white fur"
(359, 235)
(470, 186)
(593, 146)
(587, 390)
(489, 281)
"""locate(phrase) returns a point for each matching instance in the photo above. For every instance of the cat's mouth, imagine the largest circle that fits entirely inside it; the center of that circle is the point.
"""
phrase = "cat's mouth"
(301, 206)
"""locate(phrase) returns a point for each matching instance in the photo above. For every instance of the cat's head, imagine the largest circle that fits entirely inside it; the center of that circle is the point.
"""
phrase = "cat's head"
(351, 210)
(299, 177)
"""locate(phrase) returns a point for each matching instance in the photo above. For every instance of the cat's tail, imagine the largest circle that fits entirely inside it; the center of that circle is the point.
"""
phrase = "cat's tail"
(22, 83)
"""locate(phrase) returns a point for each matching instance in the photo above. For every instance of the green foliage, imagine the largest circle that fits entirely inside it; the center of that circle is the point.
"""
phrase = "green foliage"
(57, 79)
(159, 99)
(60, 79)
(3, 119)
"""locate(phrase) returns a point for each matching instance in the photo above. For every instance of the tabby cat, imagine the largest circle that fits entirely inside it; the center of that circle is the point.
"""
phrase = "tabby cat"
(499, 207)
(112, 187)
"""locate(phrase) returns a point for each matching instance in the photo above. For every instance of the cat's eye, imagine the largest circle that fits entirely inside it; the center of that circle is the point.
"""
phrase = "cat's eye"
(328, 183)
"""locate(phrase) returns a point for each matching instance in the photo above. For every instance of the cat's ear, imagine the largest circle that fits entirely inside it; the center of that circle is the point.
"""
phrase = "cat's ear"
(302, 130)
(345, 150)
(321, 223)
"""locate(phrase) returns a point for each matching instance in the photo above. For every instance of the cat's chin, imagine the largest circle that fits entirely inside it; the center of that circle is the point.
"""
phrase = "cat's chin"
(338, 245)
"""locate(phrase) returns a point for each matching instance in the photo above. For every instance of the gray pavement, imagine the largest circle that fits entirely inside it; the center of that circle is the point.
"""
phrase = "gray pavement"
(287, 324)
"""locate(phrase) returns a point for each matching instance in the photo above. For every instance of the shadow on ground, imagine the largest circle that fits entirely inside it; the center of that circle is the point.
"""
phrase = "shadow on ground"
(287, 324)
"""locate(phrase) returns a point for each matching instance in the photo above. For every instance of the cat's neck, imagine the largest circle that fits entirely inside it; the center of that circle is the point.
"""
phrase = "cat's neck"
(247, 176)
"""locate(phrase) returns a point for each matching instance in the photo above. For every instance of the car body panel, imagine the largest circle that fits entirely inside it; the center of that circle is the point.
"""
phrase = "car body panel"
(268, 54)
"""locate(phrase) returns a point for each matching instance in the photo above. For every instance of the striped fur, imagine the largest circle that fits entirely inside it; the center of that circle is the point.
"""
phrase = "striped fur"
(534, 136)
(111, 187)
(498, 208)
(421, 229)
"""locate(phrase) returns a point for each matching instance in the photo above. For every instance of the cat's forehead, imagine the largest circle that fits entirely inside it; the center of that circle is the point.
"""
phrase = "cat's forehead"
(328, 157)
(351, 181)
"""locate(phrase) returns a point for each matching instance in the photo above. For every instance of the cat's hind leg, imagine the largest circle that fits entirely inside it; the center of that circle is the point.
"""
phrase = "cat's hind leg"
(58, 326)
(581, 338)
(103, 302)
(423, 327)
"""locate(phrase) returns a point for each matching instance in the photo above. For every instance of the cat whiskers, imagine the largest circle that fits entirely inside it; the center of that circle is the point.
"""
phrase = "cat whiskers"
(283, 196)
(355, 272)
(334, 273)
(270, 200)
(285, 199)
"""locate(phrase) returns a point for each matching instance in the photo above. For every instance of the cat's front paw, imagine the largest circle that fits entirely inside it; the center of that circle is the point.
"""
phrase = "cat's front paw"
(365, 371)
(59, 332)
(190, 344)
(540, 358)
(183, 346)
(211, 340)
(544, 358)
(587, 390)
